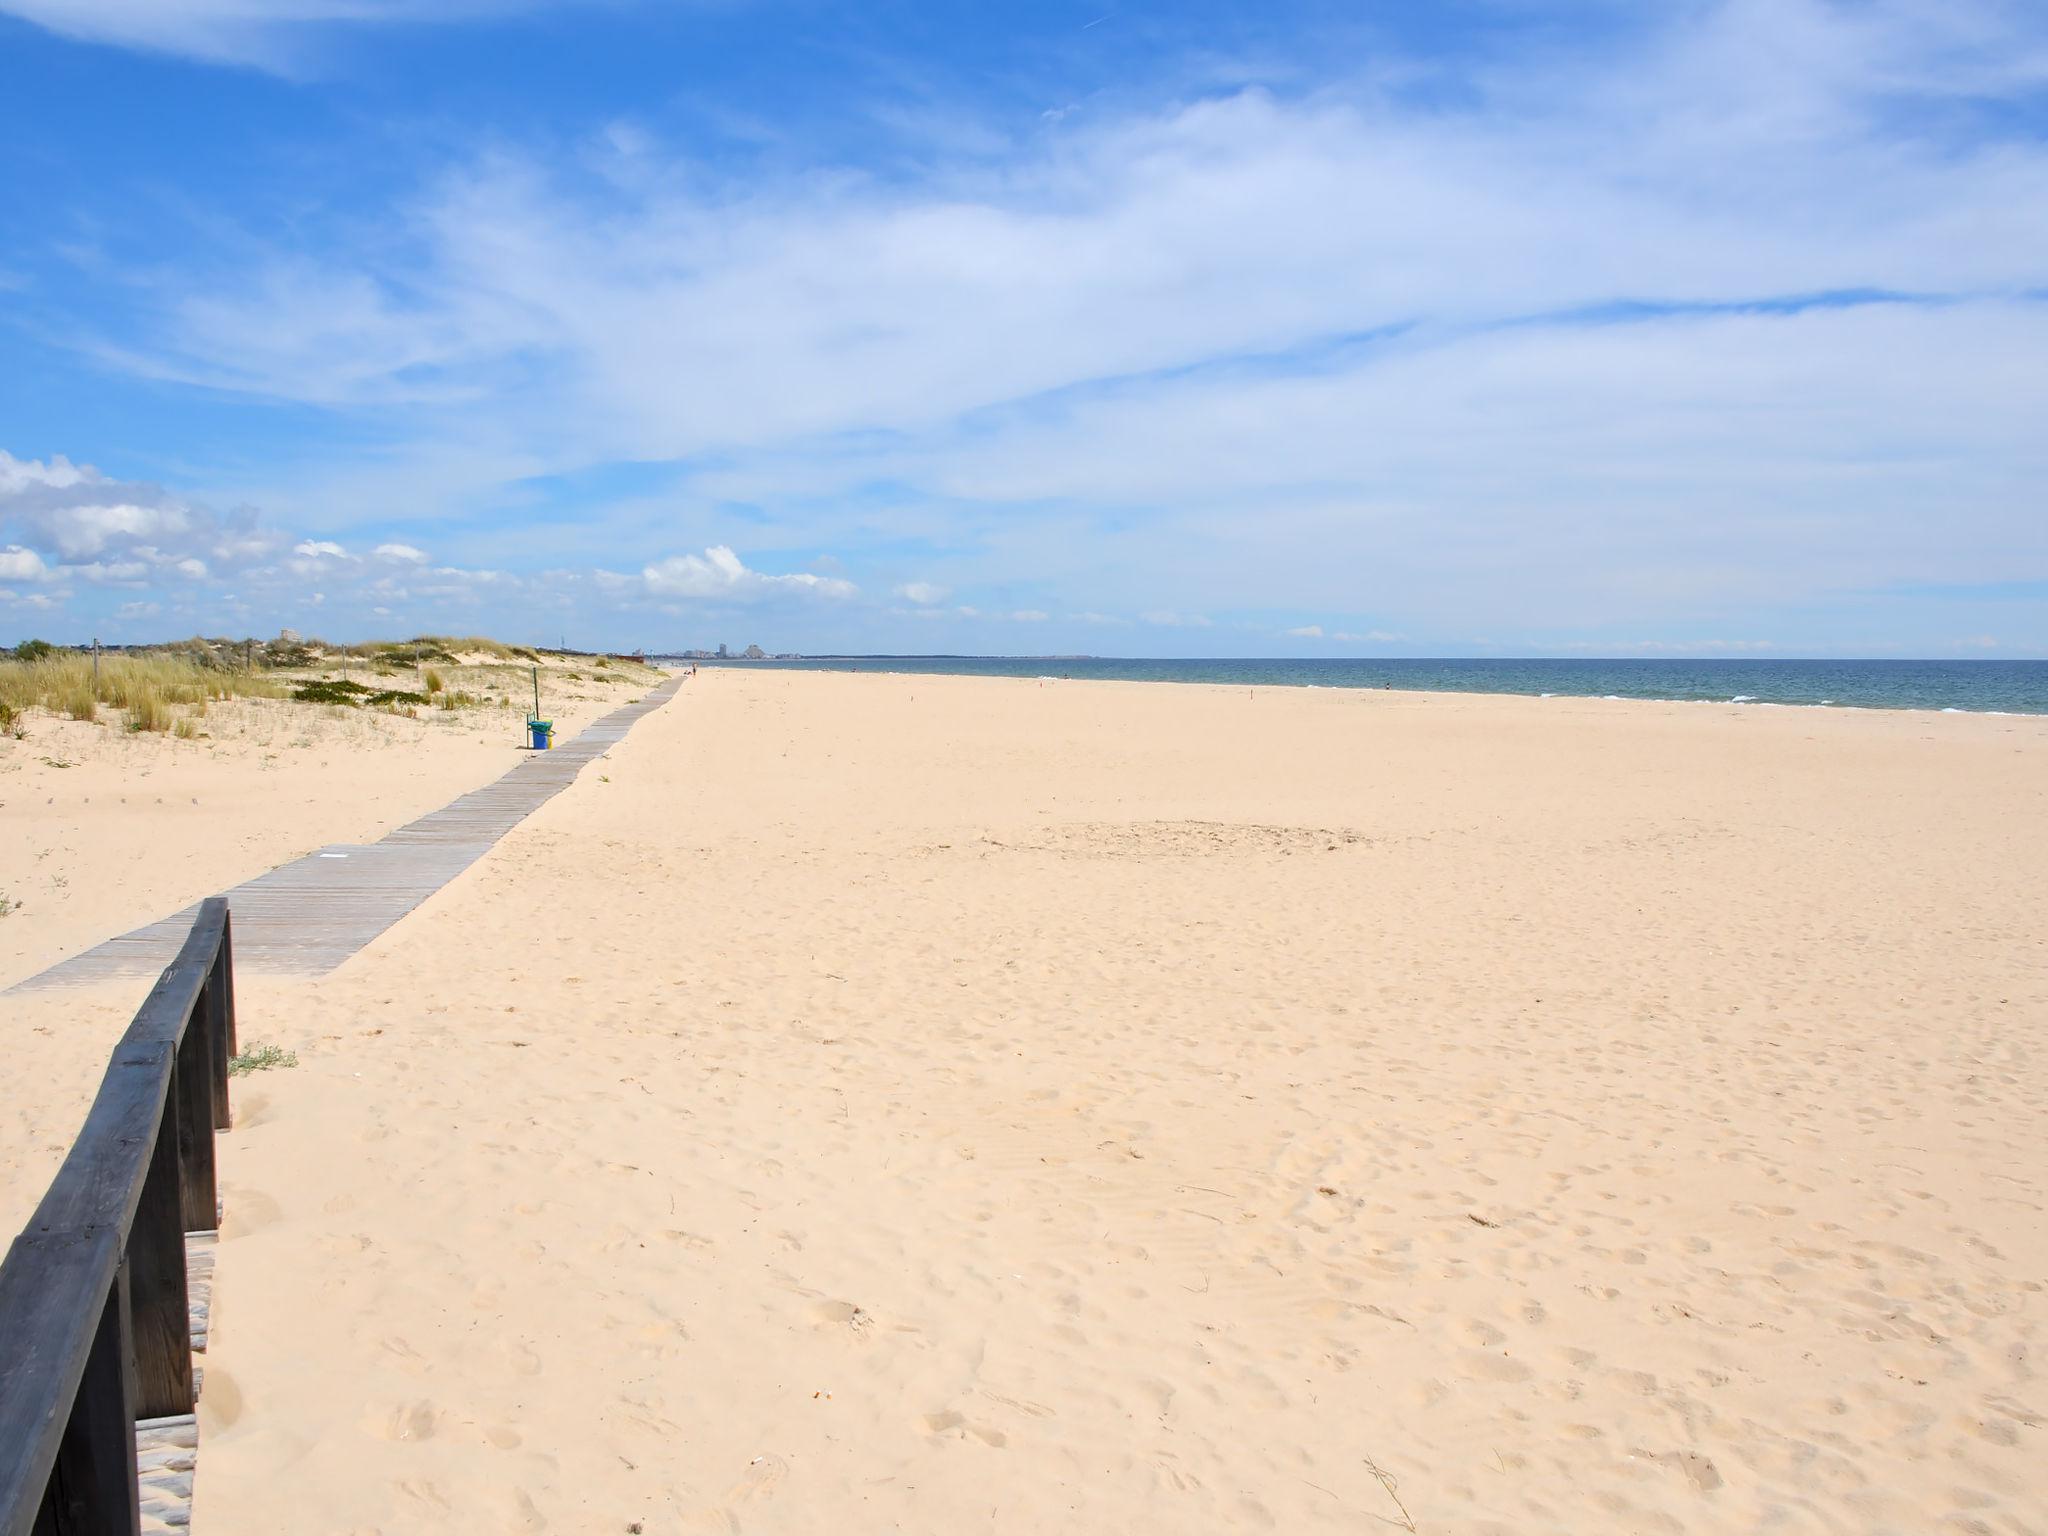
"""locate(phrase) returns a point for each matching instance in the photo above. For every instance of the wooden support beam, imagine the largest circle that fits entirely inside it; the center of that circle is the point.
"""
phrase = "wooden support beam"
(156, 1277)
(92, 1489)
(192, 1087)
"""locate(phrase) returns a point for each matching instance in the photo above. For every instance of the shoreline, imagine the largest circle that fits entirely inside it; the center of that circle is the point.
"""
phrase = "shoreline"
(1020, 669)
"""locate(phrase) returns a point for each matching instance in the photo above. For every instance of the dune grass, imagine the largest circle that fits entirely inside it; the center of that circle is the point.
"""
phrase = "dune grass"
(143, 685)
(147, 711)
(157, 689)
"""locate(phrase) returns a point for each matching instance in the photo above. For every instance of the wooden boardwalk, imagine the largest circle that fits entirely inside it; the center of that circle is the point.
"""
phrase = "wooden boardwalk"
(306, 917)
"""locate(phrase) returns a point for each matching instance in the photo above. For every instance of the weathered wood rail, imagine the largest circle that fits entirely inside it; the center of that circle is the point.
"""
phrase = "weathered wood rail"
(95, 1332)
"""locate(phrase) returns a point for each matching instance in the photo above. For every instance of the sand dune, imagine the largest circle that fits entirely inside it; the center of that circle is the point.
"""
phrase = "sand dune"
(880, 1103)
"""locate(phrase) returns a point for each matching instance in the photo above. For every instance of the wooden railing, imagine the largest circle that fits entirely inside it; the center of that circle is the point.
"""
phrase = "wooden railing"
(94, 1330)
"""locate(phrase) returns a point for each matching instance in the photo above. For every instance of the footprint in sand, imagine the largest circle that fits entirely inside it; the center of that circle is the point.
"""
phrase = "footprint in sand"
(948, 1424)
(246, 1211)
(759, 1482)
(845, 1314)
(408, 1421)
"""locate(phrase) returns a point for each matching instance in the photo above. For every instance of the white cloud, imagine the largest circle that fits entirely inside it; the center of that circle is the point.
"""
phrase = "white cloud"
(17, 475)
(719, 574)
(320, 549)
(18, 564)
(274, 34)
(401, 552)
(1308, 632)
(110, 572)
(921, 592)
(1030, 616)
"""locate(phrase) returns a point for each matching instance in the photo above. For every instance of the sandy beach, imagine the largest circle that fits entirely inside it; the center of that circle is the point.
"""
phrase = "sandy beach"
(937, 1104)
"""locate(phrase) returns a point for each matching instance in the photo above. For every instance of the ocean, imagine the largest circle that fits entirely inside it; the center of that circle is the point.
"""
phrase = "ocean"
(1975, 687)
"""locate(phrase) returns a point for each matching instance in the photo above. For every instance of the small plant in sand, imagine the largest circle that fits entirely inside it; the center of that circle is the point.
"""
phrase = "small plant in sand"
(186, 729)
(8, 904)
(260, 1057)
(147, 711)
(433, 680)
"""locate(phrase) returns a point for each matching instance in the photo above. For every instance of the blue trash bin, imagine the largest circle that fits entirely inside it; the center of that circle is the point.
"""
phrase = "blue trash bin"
(541, 733)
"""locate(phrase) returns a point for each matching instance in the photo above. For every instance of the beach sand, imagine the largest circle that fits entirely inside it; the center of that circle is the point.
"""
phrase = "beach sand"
(931, 1104)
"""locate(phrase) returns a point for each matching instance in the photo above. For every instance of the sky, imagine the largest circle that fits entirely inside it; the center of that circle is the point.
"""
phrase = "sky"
(1392, 327)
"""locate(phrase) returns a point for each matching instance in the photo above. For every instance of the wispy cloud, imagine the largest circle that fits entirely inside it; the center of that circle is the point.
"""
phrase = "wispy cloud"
(273, 34)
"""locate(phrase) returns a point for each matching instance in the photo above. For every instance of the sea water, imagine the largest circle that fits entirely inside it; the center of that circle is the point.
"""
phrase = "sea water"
(1993, 687)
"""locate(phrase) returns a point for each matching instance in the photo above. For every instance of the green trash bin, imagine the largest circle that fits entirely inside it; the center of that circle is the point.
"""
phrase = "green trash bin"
(541, 733)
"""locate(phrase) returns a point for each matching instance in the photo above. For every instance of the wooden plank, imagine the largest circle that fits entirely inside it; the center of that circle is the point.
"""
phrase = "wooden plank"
(167, 1455)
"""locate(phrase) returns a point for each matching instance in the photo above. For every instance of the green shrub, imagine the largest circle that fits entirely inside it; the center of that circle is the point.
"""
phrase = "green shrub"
(261, 1058)
(329, 691)
(33, 650)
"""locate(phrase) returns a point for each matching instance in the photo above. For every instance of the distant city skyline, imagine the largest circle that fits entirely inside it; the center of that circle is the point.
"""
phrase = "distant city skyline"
(1424, 329)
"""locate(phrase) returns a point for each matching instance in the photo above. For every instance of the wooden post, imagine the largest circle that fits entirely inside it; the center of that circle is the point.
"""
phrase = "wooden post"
(192, 1085)
(156, 1278)
(95, 666)
(219, 1020)
(536, 691)
(92, 1488)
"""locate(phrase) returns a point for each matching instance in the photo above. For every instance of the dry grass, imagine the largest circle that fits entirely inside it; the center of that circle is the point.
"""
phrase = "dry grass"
(163, 689)
(479, 645)
(144, 685)
(147, 710)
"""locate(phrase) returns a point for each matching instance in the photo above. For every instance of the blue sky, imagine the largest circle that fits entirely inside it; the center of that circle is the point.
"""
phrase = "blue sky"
(1444, 327)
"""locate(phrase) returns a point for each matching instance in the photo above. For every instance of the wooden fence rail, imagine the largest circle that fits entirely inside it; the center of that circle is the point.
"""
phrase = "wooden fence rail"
(94, 1329)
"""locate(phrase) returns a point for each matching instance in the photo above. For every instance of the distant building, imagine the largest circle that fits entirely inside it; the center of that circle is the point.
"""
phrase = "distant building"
(721, 650)
(753, 653)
